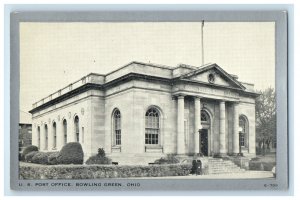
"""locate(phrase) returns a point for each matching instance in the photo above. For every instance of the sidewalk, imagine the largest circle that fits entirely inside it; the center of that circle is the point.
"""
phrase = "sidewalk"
(244, 175)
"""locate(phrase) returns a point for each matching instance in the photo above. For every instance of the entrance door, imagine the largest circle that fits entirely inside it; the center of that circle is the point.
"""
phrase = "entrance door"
(204, 142)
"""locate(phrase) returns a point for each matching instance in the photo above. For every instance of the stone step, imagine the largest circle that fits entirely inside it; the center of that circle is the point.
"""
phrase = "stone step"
(220, 166)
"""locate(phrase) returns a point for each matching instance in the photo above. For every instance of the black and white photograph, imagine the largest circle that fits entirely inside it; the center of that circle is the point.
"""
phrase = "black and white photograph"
(147, 100)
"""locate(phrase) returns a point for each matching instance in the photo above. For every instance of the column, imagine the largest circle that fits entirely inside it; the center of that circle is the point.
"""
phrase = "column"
(222, 148)
(34, 135)
(197, 125)
(70, 131)
(180, 125)
(50, 136)
(43, 137)
(235, 136)
(60, 134)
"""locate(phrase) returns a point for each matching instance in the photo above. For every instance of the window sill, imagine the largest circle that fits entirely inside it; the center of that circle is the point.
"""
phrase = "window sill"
(154, 149)
(116, 149)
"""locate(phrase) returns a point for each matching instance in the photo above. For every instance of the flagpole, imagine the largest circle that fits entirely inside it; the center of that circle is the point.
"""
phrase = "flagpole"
(202, 45)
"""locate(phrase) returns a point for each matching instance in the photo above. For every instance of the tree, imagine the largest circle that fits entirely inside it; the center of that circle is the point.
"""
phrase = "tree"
(265, 108)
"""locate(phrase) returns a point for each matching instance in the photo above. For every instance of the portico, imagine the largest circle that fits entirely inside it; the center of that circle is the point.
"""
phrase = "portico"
(198, 127)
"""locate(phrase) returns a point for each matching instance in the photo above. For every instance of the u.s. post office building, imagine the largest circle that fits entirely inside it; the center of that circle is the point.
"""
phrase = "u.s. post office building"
(141, 112)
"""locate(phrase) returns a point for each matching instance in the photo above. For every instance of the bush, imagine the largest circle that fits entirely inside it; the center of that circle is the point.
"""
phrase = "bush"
(28, 150)
(29, 156)
(101, 152)
(52, 158)
(71, 153)
(98, 160)
(170, 159)
(100, 171)
(40, 158)
(261, 166)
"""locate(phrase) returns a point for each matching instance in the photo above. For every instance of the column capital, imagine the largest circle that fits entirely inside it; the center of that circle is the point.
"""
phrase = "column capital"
(197, 97)
(222, 101)
(180, 97)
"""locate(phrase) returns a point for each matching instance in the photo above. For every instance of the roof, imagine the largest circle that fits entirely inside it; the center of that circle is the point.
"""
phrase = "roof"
(138, 69)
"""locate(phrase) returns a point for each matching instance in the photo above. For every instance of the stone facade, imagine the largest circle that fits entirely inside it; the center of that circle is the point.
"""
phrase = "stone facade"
(141, 112)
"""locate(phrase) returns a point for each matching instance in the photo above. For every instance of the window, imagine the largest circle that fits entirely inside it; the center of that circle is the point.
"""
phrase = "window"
(46, 137)
(117, 127)
(204, 117)
(242, 125)
(39, 137)
(54, 134)
(211, 78)
(65, 130)
(152, 127)
(76, 123)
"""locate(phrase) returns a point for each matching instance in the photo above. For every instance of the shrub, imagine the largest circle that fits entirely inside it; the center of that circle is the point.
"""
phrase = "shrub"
(170, 159)
(29, 156)
(98, 160)
(28, 150)
(71, 153)
(52, 158)
(100, 171)
(101, 152)
(40, 158)
(261, 166)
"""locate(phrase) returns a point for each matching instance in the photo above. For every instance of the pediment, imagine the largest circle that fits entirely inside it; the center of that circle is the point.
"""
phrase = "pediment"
(214, 75)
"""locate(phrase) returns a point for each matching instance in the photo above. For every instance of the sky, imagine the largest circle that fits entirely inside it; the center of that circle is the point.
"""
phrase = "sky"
(53, 55)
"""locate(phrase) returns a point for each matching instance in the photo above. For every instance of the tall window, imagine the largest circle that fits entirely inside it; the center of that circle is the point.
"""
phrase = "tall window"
(117, 127)
(39, 137)
(242, 125)
(152, 126)
(65, 130)
(76, 123)
(54, 134)
(46, 137)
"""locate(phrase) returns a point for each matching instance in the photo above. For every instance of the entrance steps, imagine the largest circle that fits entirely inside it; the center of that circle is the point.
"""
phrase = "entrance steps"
(222, 166)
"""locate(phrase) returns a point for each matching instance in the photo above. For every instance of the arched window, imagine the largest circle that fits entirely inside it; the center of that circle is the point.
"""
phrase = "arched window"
(204, 117)
(152, 126)
(65, 130)
(76, 123)
(46, 137)
(54, 135)
(117, 127)
(243, 131)
(39, 137)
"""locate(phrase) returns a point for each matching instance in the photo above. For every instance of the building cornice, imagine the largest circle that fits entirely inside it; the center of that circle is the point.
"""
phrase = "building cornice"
(126, 78)
(70, 94)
